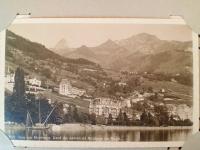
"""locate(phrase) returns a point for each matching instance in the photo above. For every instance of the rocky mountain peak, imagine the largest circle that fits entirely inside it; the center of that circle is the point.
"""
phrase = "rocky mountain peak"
(62, 44)
(145, 37)
(109, 44)
(83, 47)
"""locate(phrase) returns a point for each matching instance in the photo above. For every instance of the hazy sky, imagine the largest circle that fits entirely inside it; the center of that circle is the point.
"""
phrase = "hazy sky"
(77, 35)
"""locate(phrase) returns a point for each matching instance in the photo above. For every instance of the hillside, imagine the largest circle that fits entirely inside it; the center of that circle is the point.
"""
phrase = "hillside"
(39, 61)
(167, 62)
(36, 50)
(83, 52)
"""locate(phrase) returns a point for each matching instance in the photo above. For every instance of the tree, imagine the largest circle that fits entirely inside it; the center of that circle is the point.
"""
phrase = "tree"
(84, 118)
(58, 114)
(19, 87)
(125, 119)
(120, 118)
(47, 72)
(76, 115)
(15, 111)
(100, 119)
(113, 88)
(110, 120)
(16, 105)
(68, 117)
(187, 122)
(93, 118)
(162, 115)
(172, 121)
(144, 118)
(151, 120)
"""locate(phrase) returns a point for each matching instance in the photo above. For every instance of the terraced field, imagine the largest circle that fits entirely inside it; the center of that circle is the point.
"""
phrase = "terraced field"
(82, 104)
(182, 92)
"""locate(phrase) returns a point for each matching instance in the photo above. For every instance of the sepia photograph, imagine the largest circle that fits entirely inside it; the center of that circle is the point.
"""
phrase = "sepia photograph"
(114, 82)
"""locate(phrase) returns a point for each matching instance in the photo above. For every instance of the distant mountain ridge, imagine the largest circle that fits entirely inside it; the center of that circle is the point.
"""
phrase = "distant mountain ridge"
(141, 52)
(138, 53)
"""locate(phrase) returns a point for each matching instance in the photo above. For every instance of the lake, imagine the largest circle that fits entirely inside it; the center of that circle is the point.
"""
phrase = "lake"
(101, 133)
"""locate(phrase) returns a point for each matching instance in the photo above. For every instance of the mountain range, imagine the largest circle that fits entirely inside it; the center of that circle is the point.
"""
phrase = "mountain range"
(86, 66)
(38, 61)
(141, 52)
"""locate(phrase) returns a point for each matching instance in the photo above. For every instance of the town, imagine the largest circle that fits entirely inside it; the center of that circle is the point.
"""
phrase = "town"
(121, 105)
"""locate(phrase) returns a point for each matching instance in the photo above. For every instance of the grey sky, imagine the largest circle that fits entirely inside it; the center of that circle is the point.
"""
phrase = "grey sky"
(95, 34)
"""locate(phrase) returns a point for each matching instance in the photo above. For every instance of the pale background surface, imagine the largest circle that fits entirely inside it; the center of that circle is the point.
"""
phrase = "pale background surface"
(188, 9)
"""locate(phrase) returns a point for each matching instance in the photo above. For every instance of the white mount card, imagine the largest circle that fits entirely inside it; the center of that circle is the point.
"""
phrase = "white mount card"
(99, 82)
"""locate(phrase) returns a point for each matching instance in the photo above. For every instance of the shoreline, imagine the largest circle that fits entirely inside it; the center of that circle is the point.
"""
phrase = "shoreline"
(75, 127)
(103, 127)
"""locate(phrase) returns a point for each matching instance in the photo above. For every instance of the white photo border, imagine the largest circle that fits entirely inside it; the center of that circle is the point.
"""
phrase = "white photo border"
(97, 144)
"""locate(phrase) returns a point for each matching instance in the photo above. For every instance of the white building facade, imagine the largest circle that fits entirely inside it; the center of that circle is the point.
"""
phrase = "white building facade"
(33, 85)
(34, 82)
(9, 82)
(105, 106)
(65, 88)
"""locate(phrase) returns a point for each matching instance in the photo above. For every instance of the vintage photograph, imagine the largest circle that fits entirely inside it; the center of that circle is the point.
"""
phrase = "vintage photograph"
(98, 82)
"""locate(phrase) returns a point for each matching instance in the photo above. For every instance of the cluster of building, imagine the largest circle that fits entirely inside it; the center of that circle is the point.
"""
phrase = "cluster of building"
(33, 85)
(105, 106)
(181, 110)
(102, 105)
(66, 89)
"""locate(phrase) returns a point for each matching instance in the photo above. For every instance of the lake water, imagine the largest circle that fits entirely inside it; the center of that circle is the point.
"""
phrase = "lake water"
(101, 135)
